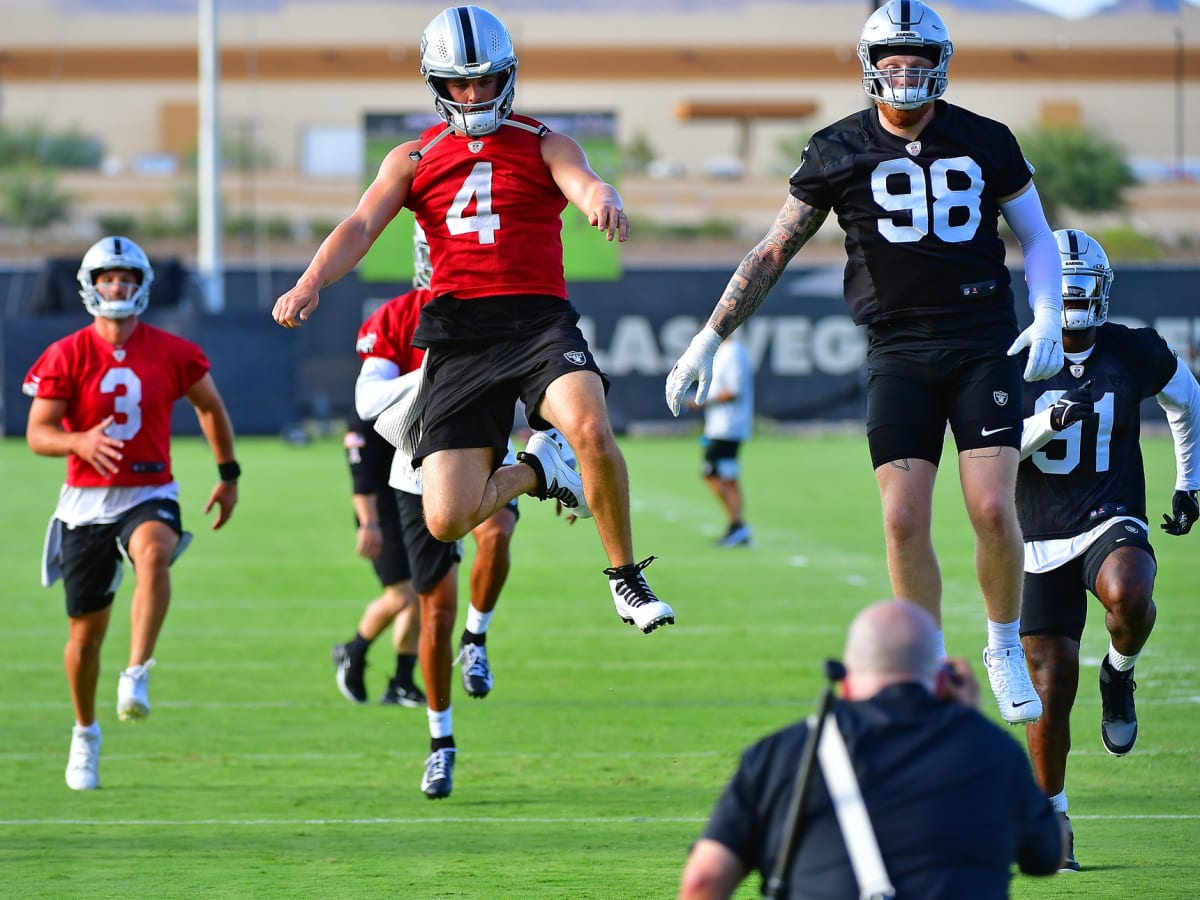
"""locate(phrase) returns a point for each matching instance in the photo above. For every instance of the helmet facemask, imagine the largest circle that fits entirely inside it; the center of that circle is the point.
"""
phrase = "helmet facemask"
(469, 42)
(1086, 275)
(110, 253)
(905, 28)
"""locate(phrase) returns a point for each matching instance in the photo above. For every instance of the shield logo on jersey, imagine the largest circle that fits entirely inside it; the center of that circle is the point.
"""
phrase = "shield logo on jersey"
(1001, 397)
(1077, 371)
(914, 148)
(119, 355)
(475, 146)
(575, 357)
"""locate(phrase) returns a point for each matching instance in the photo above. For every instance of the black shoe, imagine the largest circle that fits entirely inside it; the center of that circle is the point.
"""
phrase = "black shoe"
(476, 672)
(403, 695)
(439, 773)
(349, 674)
(1118, 718)
(1070, 864)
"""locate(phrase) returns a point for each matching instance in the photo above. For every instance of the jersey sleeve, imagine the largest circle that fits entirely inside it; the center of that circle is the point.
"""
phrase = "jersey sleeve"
(1158, 360)
(50, 375)
(808, 183)
(1013, 170)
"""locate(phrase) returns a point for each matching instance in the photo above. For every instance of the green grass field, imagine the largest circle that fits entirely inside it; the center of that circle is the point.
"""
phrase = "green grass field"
(596, 759)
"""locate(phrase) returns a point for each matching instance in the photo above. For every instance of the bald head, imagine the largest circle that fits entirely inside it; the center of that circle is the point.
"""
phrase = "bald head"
(889, 642)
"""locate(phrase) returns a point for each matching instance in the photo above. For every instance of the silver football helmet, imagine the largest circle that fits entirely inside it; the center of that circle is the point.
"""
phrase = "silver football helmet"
(114, 252)
(422, 267)
(905, 28)
(1086, 275)
(469, 42)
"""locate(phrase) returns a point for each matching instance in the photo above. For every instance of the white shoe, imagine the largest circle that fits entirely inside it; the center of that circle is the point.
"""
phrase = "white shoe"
(133, 693)
(83, 765)
(636, 604)
(556, 479)
(1018, 701)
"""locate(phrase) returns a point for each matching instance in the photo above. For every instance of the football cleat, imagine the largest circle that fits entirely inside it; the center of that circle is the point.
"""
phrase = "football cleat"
(133, 693)
(636, 604)
(408, 695)
(476, 671)
(556, 480)
(736, 536)
(1118, 718)
(438, 779)
(349, 674)
(83, 763)
(1018, 701)
(1070, 864)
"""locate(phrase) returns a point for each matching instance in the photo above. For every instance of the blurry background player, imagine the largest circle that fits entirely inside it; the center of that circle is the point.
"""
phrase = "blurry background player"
(379, 539)
(728, 422)
(102, 397)
(918, 186)
(1081, 496)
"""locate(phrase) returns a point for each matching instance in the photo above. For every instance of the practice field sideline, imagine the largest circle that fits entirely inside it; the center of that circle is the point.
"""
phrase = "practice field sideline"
(594, 763)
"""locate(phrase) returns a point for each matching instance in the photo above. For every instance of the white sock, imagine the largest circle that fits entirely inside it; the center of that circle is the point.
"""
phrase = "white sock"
(1004, 635)
(941, 644)
(439, 722)
(1120, 662)
(477, 622)
(92, 729)
(1059, 801)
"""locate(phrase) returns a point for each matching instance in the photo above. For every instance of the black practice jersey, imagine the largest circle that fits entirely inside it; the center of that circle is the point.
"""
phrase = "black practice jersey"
(920, 216)
(1093, 470)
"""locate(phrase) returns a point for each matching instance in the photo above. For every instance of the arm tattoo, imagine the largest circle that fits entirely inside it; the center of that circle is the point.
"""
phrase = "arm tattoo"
(762, 266)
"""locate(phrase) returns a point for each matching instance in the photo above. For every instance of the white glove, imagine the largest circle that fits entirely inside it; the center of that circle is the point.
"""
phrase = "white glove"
(1044, 340)
(694, 366)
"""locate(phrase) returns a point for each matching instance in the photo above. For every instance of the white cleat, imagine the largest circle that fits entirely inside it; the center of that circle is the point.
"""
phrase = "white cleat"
(636, 604)
(556, 479)
(83, 764)
(133, 693)
(1019, 703)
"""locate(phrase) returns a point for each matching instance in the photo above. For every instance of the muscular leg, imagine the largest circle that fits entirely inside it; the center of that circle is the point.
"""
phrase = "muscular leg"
(436, 653)
(1054, 668)
(906, 493)
(81, 659)
(989, 478)
(397, 603)
(461, 490)
(151, 547)
(492, 562)
(1125, 585)
(575, 404)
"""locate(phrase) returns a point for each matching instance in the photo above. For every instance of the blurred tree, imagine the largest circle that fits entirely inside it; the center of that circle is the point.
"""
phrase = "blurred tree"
(30, 198)
(1076, 169)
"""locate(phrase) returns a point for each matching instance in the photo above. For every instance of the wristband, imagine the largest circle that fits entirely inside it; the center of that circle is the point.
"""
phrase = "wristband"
(229, 472)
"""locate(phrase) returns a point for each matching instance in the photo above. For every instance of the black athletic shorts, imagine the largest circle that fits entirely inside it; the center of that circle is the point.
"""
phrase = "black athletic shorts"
(92, 554)
(913, 393)
(430, 558)
(485, 354)
(716, 452)
(1055, 602)
(391, 565)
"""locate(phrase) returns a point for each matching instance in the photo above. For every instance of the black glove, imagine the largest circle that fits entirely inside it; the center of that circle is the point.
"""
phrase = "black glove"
(1074, 406)
(1186, 511)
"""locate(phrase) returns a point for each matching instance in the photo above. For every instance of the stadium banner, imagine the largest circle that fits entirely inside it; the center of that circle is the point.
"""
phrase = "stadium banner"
(585, 257)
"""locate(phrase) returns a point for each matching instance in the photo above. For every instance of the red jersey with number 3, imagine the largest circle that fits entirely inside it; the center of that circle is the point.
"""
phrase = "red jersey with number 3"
(388, 332)
(491, 213)
(137, 383)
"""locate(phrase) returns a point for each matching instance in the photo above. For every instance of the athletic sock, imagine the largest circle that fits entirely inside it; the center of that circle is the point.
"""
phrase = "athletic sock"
(478, 622)
(470, 637)
(1003, 635)
(1059, 801)
(405, 663)
(1119, 661)
(359, 646)
(442, 742)
(440, 722)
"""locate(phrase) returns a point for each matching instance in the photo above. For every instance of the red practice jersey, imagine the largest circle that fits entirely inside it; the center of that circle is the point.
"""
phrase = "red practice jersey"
(136, 383)
(491, 213)
(388, 332)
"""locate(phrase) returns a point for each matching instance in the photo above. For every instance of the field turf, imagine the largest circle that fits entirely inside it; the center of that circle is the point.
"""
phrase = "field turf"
(593, 764)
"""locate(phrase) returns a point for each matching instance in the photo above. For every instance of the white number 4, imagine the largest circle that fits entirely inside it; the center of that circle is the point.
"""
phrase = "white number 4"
(484, 223)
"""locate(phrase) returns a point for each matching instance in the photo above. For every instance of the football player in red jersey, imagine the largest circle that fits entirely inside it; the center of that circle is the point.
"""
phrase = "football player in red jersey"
(488, 187)
(102, 397)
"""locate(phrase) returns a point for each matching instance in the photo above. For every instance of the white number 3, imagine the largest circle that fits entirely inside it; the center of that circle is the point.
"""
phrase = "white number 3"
(484, 223)
(920, 190)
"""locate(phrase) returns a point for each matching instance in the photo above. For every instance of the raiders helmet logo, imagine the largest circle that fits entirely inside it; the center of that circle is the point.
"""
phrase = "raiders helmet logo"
(119, 355)
(475, 146)
(1077, 371)
(914, 148)
(575, 357)
(366, 343)
(1001, 397)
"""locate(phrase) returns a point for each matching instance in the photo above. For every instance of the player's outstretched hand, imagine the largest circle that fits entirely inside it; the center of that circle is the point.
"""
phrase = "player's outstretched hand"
(1185, 511)
(225, 497)
(1044, 340)
(694, 366)
(1076, 405)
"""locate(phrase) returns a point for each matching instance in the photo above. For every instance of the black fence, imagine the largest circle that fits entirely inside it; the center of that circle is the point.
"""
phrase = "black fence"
(808, 355)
